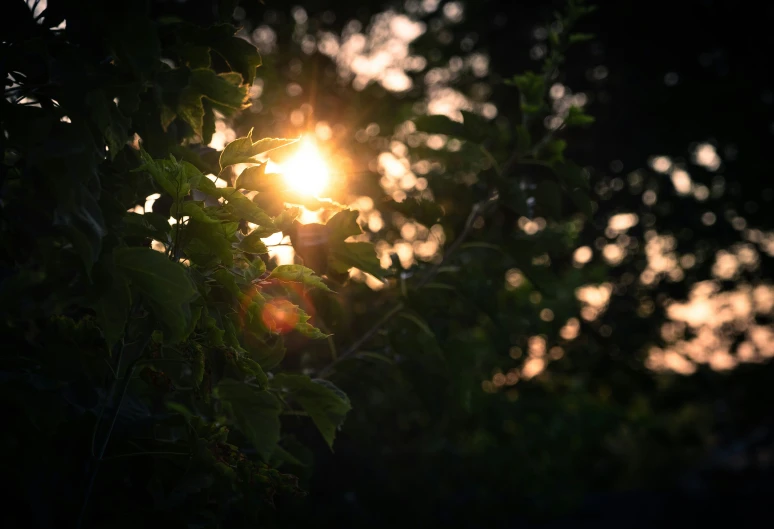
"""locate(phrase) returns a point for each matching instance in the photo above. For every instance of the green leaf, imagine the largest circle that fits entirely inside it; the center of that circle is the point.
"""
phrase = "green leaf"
(326, 404)
(194, 56)
(582, 199)
(239, 54)
(175, 178)
(150, 225)
(213, 333)
(343, 225)
(241, 207)
(255, 411)
(439, 124)
(110, 122)
(253, 243)
(576, 116)
(419, 322)
(113, 309)
(244, 150)
(284, 220)
(196, 211)
(255, 179)
(532, 88)
(252, 368)
(226, 279)
(197, 364)
(299, 274)
(307, 329)
(571, 175)
(166, 287)
(223, 91)
(210, 239)
(268, 355)
(256, 269)
(360, 255)
(553, 151)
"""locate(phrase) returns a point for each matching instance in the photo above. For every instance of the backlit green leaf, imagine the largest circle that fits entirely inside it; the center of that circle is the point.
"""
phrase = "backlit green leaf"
(244, 150)
(299, 274)
(241, 207)
(253, 243)
(343, 225)
(195, 210)
(255, 179)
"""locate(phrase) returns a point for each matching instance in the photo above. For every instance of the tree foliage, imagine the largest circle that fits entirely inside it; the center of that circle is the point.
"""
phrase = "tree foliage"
(172, 360)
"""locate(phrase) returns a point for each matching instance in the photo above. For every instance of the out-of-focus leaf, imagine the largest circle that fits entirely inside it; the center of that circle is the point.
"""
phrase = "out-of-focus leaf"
(439, 124)
(553, 151)
(549, 197)
(477, 128)
(571, 175)
(580, 37)
(360, 255)
(419, 322)
(425, 211)
(576, 116)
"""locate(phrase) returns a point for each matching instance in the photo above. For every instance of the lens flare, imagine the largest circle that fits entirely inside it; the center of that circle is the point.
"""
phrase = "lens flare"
(306, 172)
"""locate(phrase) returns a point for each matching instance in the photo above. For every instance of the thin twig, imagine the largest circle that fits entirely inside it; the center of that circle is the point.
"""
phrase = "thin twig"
(99, 455)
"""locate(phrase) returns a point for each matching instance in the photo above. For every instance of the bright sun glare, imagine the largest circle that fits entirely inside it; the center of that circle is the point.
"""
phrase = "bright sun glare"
(306, 171)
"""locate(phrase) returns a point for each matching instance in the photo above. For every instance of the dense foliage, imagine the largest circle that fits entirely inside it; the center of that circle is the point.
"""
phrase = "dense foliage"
(475, 346)
(149, 347)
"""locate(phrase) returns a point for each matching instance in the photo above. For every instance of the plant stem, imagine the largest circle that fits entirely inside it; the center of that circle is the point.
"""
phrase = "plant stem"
(99, 455)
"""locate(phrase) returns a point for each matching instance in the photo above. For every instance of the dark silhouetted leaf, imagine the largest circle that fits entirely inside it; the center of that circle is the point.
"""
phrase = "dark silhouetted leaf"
(326, 404)
(255, 411)
(164, 285)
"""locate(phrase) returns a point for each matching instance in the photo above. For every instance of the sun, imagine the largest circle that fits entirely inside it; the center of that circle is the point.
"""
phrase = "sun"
(306, 172)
